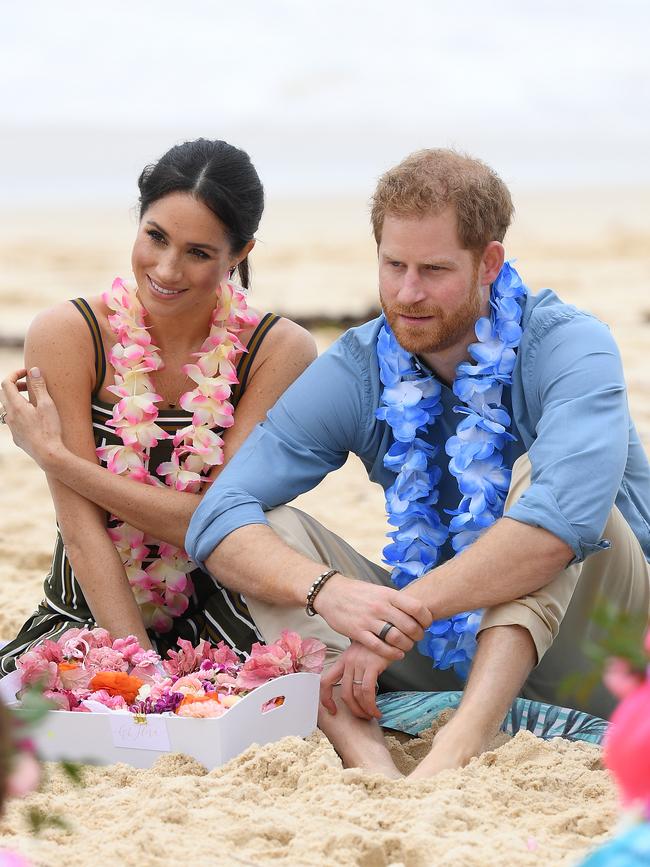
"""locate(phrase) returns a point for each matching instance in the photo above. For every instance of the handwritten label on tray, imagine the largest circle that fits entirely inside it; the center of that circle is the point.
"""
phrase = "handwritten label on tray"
(139, 732)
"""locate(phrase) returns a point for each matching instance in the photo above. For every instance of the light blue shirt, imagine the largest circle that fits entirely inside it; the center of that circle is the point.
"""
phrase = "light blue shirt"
(569, 409)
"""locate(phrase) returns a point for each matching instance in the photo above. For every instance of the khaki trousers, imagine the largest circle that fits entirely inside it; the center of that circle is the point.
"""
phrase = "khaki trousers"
(558, 616)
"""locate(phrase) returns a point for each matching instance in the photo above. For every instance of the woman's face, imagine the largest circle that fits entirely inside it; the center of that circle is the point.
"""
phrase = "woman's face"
(181, 254)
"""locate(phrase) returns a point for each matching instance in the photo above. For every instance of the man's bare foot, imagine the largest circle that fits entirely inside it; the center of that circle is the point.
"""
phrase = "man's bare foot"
(359, 743)
(453, 747)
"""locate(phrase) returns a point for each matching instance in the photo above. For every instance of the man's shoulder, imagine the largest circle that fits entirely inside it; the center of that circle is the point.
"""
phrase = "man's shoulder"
(544, 312)
(360, 343)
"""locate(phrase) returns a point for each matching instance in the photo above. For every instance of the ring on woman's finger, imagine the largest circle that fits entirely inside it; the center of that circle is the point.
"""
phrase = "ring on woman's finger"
(357, 682)
(385, 629)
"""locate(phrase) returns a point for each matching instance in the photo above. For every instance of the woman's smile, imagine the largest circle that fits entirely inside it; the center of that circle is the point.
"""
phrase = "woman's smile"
(163, 291)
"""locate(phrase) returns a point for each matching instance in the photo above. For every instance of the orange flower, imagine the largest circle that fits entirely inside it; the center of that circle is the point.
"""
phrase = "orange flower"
(68, 666)
(117, 683)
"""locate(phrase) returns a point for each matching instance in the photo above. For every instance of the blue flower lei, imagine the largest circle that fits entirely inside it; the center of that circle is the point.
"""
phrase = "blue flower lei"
(410, 402)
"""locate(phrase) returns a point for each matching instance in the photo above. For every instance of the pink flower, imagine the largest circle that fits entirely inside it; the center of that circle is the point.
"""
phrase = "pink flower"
(63, 700)
(190, 684)
(35, 668)
(626, 749)
(160, 687)
(620, 679)
(25, 775)
(264, 663)
(222, 654)
(189, 658)
(202, 710)
(128, 647)
(114, 702)
(105, 659)
(74, 678)
(307, 654)
(51, 651)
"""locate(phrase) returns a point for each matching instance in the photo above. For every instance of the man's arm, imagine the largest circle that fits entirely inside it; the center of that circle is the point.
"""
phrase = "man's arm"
(510, 561)
(323, 416)
(255, 561)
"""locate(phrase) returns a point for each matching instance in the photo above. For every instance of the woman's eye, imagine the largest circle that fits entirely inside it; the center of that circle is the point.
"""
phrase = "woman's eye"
(156, 236)
(200, 254)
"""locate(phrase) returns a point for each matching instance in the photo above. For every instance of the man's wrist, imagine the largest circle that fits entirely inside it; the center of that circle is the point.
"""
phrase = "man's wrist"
(422, 590)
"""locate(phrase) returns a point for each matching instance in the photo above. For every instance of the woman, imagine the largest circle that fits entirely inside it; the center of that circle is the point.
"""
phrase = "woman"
(143, 378)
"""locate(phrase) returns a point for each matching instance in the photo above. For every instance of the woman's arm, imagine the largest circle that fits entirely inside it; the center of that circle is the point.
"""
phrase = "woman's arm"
(58, 343)
(162, 512)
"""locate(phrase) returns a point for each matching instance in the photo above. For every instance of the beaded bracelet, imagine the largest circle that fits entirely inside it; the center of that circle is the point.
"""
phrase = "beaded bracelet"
(315, 589)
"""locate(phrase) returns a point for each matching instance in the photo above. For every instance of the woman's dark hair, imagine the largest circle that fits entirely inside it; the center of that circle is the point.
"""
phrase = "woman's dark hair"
(221, 176)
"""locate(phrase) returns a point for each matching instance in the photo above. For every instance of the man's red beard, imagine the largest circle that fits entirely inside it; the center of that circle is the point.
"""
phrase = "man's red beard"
(443, 331)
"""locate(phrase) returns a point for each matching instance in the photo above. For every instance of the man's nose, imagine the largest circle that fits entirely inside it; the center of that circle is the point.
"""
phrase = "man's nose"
(412, 289)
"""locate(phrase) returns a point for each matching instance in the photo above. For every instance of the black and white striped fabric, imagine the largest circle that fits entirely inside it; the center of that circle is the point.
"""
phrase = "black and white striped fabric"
(214, 613)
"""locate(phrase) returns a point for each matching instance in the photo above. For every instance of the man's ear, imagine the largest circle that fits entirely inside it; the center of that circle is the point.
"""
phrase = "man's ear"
(491, 262)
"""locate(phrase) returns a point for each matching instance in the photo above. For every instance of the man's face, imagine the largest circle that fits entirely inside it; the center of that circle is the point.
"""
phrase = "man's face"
(428, 283)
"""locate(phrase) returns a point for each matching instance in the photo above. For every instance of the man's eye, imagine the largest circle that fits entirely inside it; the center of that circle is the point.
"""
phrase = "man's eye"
(395, 264)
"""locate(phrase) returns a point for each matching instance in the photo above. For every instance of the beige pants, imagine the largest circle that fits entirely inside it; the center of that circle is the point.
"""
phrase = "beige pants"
(558, 616)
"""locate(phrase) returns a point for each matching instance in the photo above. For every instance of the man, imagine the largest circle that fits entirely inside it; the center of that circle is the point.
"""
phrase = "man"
(516, 484)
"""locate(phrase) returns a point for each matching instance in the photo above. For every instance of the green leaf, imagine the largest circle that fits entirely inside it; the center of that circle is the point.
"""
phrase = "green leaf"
(74, 771)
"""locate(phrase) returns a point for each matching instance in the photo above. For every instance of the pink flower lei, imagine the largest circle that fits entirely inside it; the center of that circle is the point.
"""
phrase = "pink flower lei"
(163, 588)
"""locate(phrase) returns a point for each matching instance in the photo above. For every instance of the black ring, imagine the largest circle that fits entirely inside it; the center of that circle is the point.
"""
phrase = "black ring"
(385, 629)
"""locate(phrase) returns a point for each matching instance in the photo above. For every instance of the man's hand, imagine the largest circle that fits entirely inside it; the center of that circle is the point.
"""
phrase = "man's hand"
(360, 610)
(357, 670)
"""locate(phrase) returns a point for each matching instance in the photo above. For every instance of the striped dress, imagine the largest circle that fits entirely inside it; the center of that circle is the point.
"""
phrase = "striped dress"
(214, 613)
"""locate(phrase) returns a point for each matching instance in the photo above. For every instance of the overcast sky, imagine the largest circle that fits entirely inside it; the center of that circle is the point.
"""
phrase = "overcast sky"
(324, 95)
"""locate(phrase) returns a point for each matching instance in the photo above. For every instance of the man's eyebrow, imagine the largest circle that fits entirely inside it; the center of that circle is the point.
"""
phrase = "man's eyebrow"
(442, 261)
(189, 243)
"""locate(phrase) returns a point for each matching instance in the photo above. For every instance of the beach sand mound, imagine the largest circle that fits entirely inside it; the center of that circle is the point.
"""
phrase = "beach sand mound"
(525, 802)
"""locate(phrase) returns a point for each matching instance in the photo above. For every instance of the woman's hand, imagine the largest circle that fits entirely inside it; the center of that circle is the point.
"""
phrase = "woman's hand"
(356, 670)
(35, 427)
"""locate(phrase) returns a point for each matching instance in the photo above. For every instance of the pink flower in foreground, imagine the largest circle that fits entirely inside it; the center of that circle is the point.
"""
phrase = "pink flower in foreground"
(626, 749)
(307, 654)
(264, 663)
(620, 679)
(25, 775)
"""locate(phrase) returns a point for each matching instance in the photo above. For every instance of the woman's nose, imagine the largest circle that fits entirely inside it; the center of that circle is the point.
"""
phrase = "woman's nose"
(169, 267)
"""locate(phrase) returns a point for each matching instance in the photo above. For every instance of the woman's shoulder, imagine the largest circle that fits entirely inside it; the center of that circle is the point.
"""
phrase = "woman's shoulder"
(284, 337)
(61, 338)
(65, 319)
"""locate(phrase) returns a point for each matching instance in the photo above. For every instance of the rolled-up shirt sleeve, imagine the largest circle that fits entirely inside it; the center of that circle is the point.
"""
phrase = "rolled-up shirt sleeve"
(573, 378)
(308, 433)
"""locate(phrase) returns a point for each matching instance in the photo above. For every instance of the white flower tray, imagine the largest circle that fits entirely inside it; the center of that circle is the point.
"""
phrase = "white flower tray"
(107, 738)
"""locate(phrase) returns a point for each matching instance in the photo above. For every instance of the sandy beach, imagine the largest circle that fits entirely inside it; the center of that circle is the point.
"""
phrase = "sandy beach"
(527, 801)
